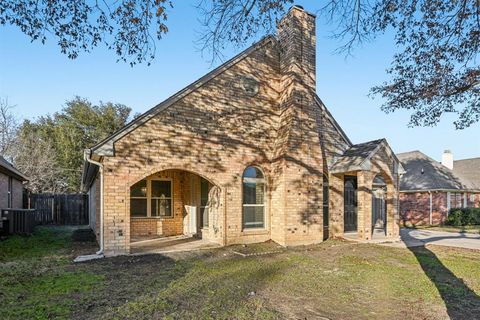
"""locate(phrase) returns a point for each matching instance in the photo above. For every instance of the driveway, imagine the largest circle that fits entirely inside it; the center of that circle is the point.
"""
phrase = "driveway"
(420, 237)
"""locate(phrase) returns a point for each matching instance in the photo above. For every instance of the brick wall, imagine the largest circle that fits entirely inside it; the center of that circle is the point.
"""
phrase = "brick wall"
(415, 208)
(17, 192)
(221, 128)
(382, 163)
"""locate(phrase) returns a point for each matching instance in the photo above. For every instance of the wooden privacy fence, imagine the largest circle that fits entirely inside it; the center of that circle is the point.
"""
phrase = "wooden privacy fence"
(18, 221)
(60, 209)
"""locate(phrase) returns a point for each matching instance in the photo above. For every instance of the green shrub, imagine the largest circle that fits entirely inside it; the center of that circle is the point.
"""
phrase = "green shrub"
(463, 217)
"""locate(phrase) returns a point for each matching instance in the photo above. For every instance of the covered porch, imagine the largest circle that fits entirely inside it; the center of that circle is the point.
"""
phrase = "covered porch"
(364, 194)
(170, 210)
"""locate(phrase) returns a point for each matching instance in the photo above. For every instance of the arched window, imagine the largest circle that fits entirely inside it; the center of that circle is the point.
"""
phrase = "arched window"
(379, 182)
(253, 198)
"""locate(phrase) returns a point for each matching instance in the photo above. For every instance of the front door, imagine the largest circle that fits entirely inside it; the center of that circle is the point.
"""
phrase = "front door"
(350, 201)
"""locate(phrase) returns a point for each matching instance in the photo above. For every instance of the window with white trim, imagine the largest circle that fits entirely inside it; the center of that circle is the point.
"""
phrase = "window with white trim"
(151, 198)
(204, 190)
(161, 198)
(456, 200)
(138, 199)
(10, 190)
(253, 198)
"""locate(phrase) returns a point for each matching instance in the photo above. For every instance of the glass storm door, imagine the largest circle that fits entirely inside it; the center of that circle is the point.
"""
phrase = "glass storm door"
(350, 204)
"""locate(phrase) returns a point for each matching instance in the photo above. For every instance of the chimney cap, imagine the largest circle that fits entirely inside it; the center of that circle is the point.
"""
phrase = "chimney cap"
(300, 8)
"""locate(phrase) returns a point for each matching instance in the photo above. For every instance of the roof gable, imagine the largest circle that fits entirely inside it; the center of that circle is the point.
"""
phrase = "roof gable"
(106, 146)
(358, 156)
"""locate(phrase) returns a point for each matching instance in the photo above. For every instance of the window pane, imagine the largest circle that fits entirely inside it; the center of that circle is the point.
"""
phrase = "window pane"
(161, 207)
(139, 189)
(161, 189)
(204, 216)
(253, 217)
(253, 193)
(252, 172)
(203, 192)
(138, 207)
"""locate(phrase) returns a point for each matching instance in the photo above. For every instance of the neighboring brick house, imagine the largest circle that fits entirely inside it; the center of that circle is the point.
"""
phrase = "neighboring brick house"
(429, 189)
(247, 153)
(11, 186)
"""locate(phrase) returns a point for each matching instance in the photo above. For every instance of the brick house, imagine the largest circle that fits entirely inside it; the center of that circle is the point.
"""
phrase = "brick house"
(247, 153)
(429, 189)
(11, 187)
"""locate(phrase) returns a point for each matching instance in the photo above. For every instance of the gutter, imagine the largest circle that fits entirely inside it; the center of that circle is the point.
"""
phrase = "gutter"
(87, 156)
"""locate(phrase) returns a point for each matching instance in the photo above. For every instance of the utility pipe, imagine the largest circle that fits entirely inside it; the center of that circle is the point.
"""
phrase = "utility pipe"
(87, 156)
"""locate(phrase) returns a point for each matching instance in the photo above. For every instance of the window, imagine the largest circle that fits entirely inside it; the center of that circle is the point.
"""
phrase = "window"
(253, 198)
(161, 198)
(151, 198)
(138, 199)
(9, 195)
(456, 200)
(204, 189)
(325, 202)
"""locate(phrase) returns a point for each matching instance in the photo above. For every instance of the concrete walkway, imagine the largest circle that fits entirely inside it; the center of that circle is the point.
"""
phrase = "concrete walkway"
(421, 237)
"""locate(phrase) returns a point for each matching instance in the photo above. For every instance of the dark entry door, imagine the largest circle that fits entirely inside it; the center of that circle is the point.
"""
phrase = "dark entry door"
(350, 200)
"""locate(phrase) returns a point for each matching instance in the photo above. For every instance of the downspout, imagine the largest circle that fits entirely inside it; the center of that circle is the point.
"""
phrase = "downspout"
(87, 157)
(431, 209)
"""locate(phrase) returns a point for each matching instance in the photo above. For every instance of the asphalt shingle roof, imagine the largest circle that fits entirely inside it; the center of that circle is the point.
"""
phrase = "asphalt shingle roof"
(468, 169)
(424, 173)
(354, 157)
(8, 168)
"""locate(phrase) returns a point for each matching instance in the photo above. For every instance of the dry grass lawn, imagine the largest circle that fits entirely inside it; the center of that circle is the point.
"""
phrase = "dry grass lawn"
(334, 280)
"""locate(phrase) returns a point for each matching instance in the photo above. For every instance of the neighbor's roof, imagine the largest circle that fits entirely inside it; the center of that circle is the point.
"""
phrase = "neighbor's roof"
(358, 156)
(8, 169)
(424, 173)
(468, 169)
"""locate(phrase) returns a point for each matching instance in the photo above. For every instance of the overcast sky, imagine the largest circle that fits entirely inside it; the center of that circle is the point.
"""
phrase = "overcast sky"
(38, 79)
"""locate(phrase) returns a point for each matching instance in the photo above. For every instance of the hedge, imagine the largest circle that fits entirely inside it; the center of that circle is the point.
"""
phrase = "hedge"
(463, 217)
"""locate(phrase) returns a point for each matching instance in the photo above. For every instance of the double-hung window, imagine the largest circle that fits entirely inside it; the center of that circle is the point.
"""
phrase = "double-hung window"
(151, 198)
(161, 198)
(138, 199)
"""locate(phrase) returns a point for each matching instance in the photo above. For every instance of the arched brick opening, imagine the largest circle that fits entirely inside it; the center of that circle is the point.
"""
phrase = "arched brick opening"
(383, 205)
(173, 202)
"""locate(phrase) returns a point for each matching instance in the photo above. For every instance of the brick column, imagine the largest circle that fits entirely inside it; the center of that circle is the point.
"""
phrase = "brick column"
(364, 198)
(336, 205)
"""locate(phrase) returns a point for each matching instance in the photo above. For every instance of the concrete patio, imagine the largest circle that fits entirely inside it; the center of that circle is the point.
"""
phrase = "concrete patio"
(171, 244)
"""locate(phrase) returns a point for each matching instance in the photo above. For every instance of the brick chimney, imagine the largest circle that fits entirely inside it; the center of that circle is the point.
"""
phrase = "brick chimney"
(447, 159)
(298, 150)
(296, 35)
